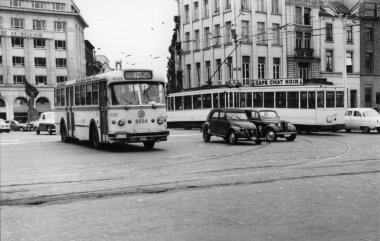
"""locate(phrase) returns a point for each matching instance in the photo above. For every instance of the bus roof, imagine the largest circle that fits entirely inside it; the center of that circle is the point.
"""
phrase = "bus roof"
(115, 76)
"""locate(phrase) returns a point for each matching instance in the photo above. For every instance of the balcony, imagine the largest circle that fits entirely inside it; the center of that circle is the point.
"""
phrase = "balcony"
(304, 53)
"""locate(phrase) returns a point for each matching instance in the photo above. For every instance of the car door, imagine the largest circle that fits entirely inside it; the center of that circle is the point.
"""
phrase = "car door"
(357, 119)
(348, 122)
(222, 121)
(213, 121)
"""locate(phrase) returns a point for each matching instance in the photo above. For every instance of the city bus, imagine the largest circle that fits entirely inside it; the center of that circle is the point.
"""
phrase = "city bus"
(121, 106)
(310, 105)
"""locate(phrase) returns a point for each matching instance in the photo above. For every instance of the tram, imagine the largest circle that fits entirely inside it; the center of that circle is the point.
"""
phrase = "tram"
(311, 105)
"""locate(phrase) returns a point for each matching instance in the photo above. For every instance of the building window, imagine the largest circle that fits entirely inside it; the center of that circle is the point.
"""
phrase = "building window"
(17, 42)
(260, 33)
(368, 63)
(216, 6)
(307, 41)
(368, 96)
(329, 60)
(244, 5)
(187, 41)
(38, 4)
(229, 69)
(303, 70)
(208, 70)
(276, 33)
(58, 6)
(275, 6)
(299, 38)
(61, 79)
(306, 16)
(60, 44)
(187, 14)
(219, 72)
(60, 63)
(59, 26)
(349, 34)
(370, 10)
(369, 33)
(39, 43)
(196, 40)
(227, 5)
(245, 38)
(228, 35)
(18, 61)
(206, 38)
(198, 73)
(260, 5)
(329, 32)
(19, 79)
(188, 75)
(217, 34)
(261, 68)
(246, 69)
(39, 25)
(205, 9)
(349, 62)
(276, 68)
(15, 3)
(41, 80)
(17, 23)
(299, 15)
(196, 11)
(40, 62)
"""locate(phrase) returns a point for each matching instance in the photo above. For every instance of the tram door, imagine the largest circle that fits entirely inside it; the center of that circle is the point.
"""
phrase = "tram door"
(103, 110)
(69, 111)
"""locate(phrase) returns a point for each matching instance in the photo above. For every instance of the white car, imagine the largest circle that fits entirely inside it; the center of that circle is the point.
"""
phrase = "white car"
(365, 119)
(46, 123)
(4, 127)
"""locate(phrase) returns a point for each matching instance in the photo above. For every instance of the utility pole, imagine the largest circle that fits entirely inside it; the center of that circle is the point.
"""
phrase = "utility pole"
(234, 36)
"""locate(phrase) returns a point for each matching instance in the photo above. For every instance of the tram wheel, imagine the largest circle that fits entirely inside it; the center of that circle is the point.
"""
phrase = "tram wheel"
(232, 138)
(366, 129)
(149, 144)
(270, 135)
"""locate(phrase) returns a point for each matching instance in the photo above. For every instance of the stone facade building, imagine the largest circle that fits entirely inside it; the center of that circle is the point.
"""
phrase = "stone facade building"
(41, 42)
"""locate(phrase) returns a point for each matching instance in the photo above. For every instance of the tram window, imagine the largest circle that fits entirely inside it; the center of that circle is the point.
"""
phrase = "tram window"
(258, 99)
(269, 99)
(88, 94)
(206, 100)
(280, 99)
(320, 99)
(311, 99)
(231, 99)
(243, 98)
(188, 102)
(330, 99)
(303, 100)
(77, 95)
(222, 99)
(249, 99)
(215, 101)
(339, 99)
(171, 103)
(95, 93)
(236, 99)
(178, 102)
(293, 100)
(82, 95)
(197, 102)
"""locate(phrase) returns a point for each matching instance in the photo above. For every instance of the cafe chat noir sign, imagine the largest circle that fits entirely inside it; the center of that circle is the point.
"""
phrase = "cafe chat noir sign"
(277, 82)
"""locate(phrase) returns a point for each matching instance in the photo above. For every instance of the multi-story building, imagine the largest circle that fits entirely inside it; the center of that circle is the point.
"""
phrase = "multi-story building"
(41, 42)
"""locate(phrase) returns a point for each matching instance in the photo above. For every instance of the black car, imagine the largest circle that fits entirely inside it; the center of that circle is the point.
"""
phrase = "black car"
(270, 125)
(230, 124)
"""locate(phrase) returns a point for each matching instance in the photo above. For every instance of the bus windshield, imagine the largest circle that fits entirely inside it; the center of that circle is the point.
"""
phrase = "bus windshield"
(137, 93)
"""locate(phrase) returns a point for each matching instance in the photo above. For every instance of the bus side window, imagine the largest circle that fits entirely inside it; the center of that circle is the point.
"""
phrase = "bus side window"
(95, 93)
(77, 95)
(63, 97)
(320, 99)
(88, 94)
(178, 102)
(82, 94)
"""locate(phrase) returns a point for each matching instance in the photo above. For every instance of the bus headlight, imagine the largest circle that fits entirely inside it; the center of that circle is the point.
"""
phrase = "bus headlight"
(160, 120)
(121, 122)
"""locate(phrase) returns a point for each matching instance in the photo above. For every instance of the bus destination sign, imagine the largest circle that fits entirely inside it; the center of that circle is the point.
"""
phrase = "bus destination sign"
(274, 82)
(138, 75)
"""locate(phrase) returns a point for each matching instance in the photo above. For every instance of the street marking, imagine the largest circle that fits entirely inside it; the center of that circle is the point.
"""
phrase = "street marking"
(23, 142)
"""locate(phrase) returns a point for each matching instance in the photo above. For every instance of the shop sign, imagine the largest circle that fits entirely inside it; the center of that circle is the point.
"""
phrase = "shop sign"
(275, 82)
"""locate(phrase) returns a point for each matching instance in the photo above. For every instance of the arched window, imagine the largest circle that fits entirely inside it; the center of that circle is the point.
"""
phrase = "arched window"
(20, 109)
(43, 104)
(2, 103)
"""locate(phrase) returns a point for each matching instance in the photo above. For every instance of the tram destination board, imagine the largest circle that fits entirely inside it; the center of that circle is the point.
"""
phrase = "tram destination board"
(146, 74)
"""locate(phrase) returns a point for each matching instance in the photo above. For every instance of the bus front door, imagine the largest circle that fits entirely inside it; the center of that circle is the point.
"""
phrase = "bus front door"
(103, 110)
(69, 111)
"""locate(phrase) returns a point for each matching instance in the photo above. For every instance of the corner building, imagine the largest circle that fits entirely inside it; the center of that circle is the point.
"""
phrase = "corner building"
(41, 42)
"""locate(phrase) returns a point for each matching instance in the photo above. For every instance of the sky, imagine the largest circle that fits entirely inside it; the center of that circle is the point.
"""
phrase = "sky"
(142, 29)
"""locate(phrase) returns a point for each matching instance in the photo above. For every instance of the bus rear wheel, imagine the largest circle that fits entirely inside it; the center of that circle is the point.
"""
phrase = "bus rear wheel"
(95, 138)
(149, 144)
(64, 137)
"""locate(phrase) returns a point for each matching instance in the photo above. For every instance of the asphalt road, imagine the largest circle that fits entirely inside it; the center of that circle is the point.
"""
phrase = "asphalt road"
(320, 187)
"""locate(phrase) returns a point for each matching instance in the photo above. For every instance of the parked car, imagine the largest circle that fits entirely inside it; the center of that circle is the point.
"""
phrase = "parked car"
(4, 127)
(365, 119)
(32, 125)
(46, 123)
(270, 125)
(16, 126)
(230, 124)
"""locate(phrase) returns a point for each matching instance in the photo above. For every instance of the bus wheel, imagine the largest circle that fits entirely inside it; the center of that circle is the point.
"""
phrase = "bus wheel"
(270, 135)
(95, 138)
(64, 137)
(232, 138)
(149, 144)
(366, 129)
(292, 137)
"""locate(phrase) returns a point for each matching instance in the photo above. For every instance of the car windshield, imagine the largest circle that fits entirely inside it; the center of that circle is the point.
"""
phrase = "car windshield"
(268, 115)
(371, 113)
(137, 93)
(236, 116)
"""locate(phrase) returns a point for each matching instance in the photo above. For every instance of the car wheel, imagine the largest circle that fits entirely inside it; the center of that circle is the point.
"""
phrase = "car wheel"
(348, 130)
(21, 129)
(38, 131)
(149, 144)
(270, 135)
(366, 129)
(206, 136)
(95, 138)
(49, 130)
(378, 130)
(232, 138)
(292, 137)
